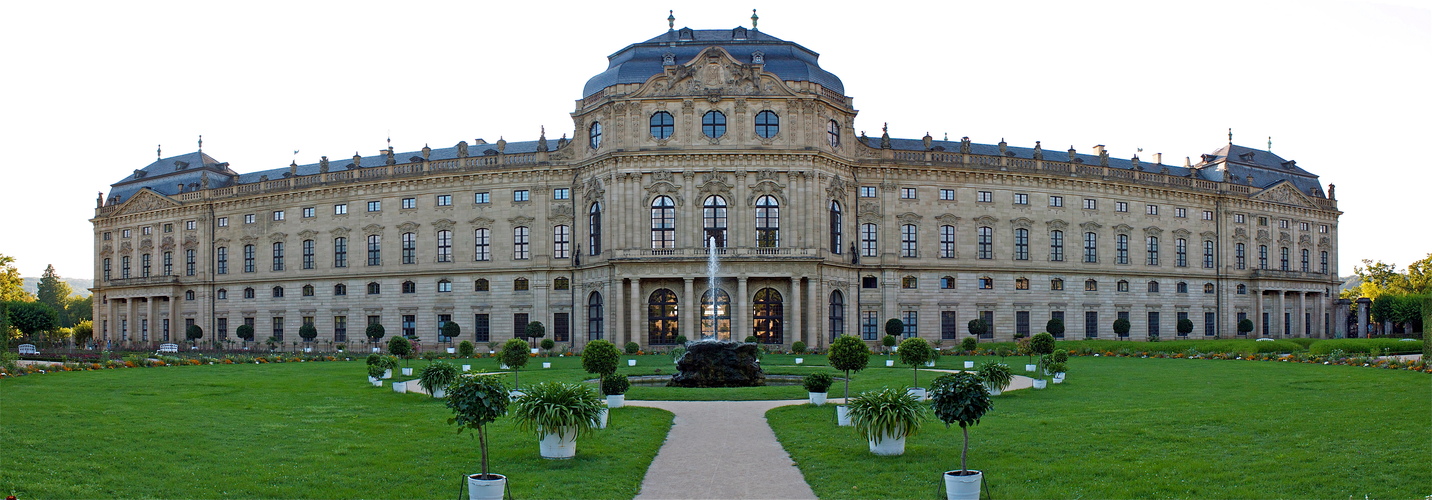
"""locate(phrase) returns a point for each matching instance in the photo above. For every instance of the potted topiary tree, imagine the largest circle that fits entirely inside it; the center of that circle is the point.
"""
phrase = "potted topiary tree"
(514, 355)
(996, 376)
(1185, 327)
(1121, 327)
(969, 345)
(466, 349)
(978, 327)
(817, 384)
(615, 385)
(914, 351)
(374, 332)
(245, 332)
(307, 332)
(886, 417)
(847, 353)
(632, 348)
(375, 374)
(435, 377)
(557, 412)
(548, 345)
(1023, 348)
(600, 358)
(1042, 344)
(1060, 360)
(1055, 327)
(960, 399)
(476, 402)
(400, 347)
(894, 328)
(535, 330)
(193, 333)
(450, 331)
(1245, 326)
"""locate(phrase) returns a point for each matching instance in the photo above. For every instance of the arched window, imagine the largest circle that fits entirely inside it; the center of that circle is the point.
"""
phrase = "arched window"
(837, 314)
(1121, 286)
(594, 135)
(663, 223)
(1091, 286)
(519, 285)
(444, 246)
(661, 317)
(767, 124)
(867, 240)
(713, 213)
(713, 124)
(832, 132)
(1180, 247)
(410, 248)
(947, 242)
(1021, 244)
(307, 290)
(444, 286)
(1021, 283)
(768, 222)
(947, 283)
(340, 289)
(1181, 287)
(1208, 288)
(222, 294)
(1153, 287)
(1242, 289)
(1056, 246)
(985, 242)
(561, 242)
(1056, 284)
(594, 316)
(661, 125)
(248, 293)
(374, 288)
(1121, 249)
(715, 314)
(410, 287)
(561, 284)
(835, 227)
(482, 244)
(278, 292)
(768, 317)
(375, 250)
(908, 244)
(481, 285)
(189, 294)
(594, 229)
(1153, 257)
(521, 243)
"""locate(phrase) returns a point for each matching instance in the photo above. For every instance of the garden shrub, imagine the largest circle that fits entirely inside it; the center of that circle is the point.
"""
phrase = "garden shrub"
(1365, 346)
(615, 383)
(798, 347)
(633, 347)
(969, 344)
(466, 349)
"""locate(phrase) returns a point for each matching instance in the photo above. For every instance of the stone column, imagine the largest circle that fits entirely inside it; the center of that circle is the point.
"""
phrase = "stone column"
(176, 325)
(795, 313)
(616, 310)
(150, 314)
(1363, 305)
(889, 281)
(689, 306)
(1302, 317)
(112, 315)
(1257, 315)
(131, 319)
(1281, 318)
(742, 327)
(634, 333)
(1339, 319)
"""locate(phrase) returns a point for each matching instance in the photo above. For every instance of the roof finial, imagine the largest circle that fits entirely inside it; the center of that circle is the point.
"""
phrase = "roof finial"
(1230, 136)
(670, 20)
(159, 152)
(754, 18)
(201, 143)
(1270, 143)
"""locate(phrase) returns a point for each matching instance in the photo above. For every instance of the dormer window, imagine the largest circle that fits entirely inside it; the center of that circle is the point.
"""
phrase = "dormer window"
(739, 33)
(758, 57)
(686, 34)
(1246, 156)
(668, 59)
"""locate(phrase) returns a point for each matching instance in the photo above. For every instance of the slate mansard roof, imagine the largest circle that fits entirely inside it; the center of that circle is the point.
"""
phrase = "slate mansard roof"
(640, 61)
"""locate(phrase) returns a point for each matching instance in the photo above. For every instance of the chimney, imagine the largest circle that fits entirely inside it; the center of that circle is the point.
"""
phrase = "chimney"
(1158, 158)
(1099, 150)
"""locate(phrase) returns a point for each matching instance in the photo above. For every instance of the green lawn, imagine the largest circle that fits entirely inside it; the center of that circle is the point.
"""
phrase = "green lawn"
(1155, 428)
(290, 430)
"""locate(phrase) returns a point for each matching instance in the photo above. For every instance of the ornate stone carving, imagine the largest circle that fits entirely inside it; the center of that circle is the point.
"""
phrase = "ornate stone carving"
(1056, 224)
(481, 222)
(107, 249)
(869, 210)
(1090, 226)
(1324, 241)
(1284, 237)
(167, 243)
(144, 201)
(408, 226)
(277, 237)
(766, 187)
(662, 175)
(1123, 229)
(715, 184)
(909, 218)
(521, 220)
(1263, 236)
(307, 234)
(713, 73)
(561, 214)
(767, 173)
(146, 244)
(125, 247)
(1022, 222)
(190, 241)
(1181, 233)
(947, 219)
(986, 220)
(1208, 235)
(1305, 240)
(339, 231)
(660, 188)
(594, 189)
(444, 224)
(1153, 231)
(372, 229)
(249, 239)
(837, 188)
(1240, 233)
(1285, 193)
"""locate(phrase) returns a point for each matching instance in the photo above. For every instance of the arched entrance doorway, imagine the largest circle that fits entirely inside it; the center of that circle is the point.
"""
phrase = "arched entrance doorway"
(768, 319)
(716, 314)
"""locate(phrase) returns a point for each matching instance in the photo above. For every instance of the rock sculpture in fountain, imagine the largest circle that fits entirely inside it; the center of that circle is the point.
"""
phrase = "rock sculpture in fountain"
(719, 363)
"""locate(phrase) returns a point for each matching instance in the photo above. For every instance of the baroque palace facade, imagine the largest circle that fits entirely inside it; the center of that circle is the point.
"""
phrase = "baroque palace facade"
(733, 139)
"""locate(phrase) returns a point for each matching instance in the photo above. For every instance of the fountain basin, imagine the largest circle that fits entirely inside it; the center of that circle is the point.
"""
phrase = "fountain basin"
(719, 363)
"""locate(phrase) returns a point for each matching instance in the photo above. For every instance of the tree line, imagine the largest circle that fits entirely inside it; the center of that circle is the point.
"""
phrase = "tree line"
(1397, 296)
(51, 316)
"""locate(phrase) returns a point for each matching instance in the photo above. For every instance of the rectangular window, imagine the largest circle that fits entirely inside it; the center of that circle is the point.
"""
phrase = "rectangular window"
(189, 225)
(949, 328)
(278, 328)
(1124, 315)
(1323, 228)
(168, 263)
(911, 320)
(1056, 284)
(867, 191)
(867, 240)
(520, 244)
(1021, 244)
(519, 325)
(375, 250)
(561, 242)
(340, 209)
(1056, 246)
(106, 236)
(988, 317)
(1208, 254)
(868, 282)
(1180, 213)
(1238, 219)
(222, 222)
(340, 328)
(985, 197)
(1207, 215)
(1091, 252)
(410, 325)
(308, 212)
(1090, 204)
(1121, 206)
(1283, 224)
(340, 252)
(1262, 221)
(1021, 322)
(907, 193)
(375, 206)
(1021, 198)
(124, 234)
(1153, 251)
(562, 194)
(1210, 324)
(1091, 324)
(947, 195)
(222, 258)
(190, 264)
(278, 215)
(1323, 261)
(1059, 315)
(561, 327)
(444, 246)
(1267, 326)
(1056, 201)
(444, 200)
(408, 246)
(1153, 326)
(984, 242)
(483, 244)
(1151, 209)
(521, 195)
(482, 198)
(481, 329)
(1182, 315)
(1121, 249)
(278, 256)
(147, 230)
(1181, 252)
(308, 248)
(249, 218)
(947, 242)
(222, 325)
(907, 240)
(869, 322)
(408, 203)
(249, 258)
(1303, 226)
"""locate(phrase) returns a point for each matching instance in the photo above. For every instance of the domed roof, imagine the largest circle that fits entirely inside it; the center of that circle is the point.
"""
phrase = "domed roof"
(639, 61)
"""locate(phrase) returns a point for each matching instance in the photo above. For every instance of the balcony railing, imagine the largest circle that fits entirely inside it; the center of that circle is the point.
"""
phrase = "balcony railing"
(725, 253)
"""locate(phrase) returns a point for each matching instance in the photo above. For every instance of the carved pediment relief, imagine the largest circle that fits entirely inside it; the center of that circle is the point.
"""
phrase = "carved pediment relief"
(947, 219)
(146, 244)
(1324, 241)
(521, 220)
(1284, 192)
(1022, 222)
(408, 226)
(191, 241)
(986, 220)
(1181, 233)
(144, 201)
(660, 188)
(125, 247)
(1123, 228)
(1263, 235)
(444, 224)
(837, 188)
(1305, 240)
(767, 173)
(1284, 237)
(372, 229)
(713, 73)
(715, 184)
(107, 249)
(276, 237)
(869, 210)
(1208, 235)
(221, 242)
(249, 239)
(339, 231)
(1090, 226)
(481, 222)
(1240, 233)
(909, 218)
(561, 214)
(594, 189)
(766, 187)
(1056, 224)
(307, 234)
(167, 243)
(1153, 231)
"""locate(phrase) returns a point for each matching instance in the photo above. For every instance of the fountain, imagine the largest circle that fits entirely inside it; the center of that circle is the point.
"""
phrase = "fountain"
(714, 361)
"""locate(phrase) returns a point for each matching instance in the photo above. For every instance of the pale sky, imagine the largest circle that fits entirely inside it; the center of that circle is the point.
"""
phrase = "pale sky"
(92, 88)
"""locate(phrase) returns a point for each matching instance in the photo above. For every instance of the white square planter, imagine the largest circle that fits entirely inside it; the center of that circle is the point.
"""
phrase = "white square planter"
(631, 362)
(889, 362)
(534, 351)
(969, 364)
(407, 372)
(467, 368)
(800, 360)
(452, 350)
(400, 387)
(546, 365)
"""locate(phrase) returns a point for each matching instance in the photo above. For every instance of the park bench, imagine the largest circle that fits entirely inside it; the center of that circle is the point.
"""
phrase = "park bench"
(28, 349)
(169, 348)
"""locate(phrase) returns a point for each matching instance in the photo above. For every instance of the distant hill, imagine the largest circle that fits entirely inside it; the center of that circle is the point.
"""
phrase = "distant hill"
(80, 287)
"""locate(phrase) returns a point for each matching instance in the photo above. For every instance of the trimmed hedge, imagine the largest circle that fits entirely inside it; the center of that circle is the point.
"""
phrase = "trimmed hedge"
(1365, 346)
